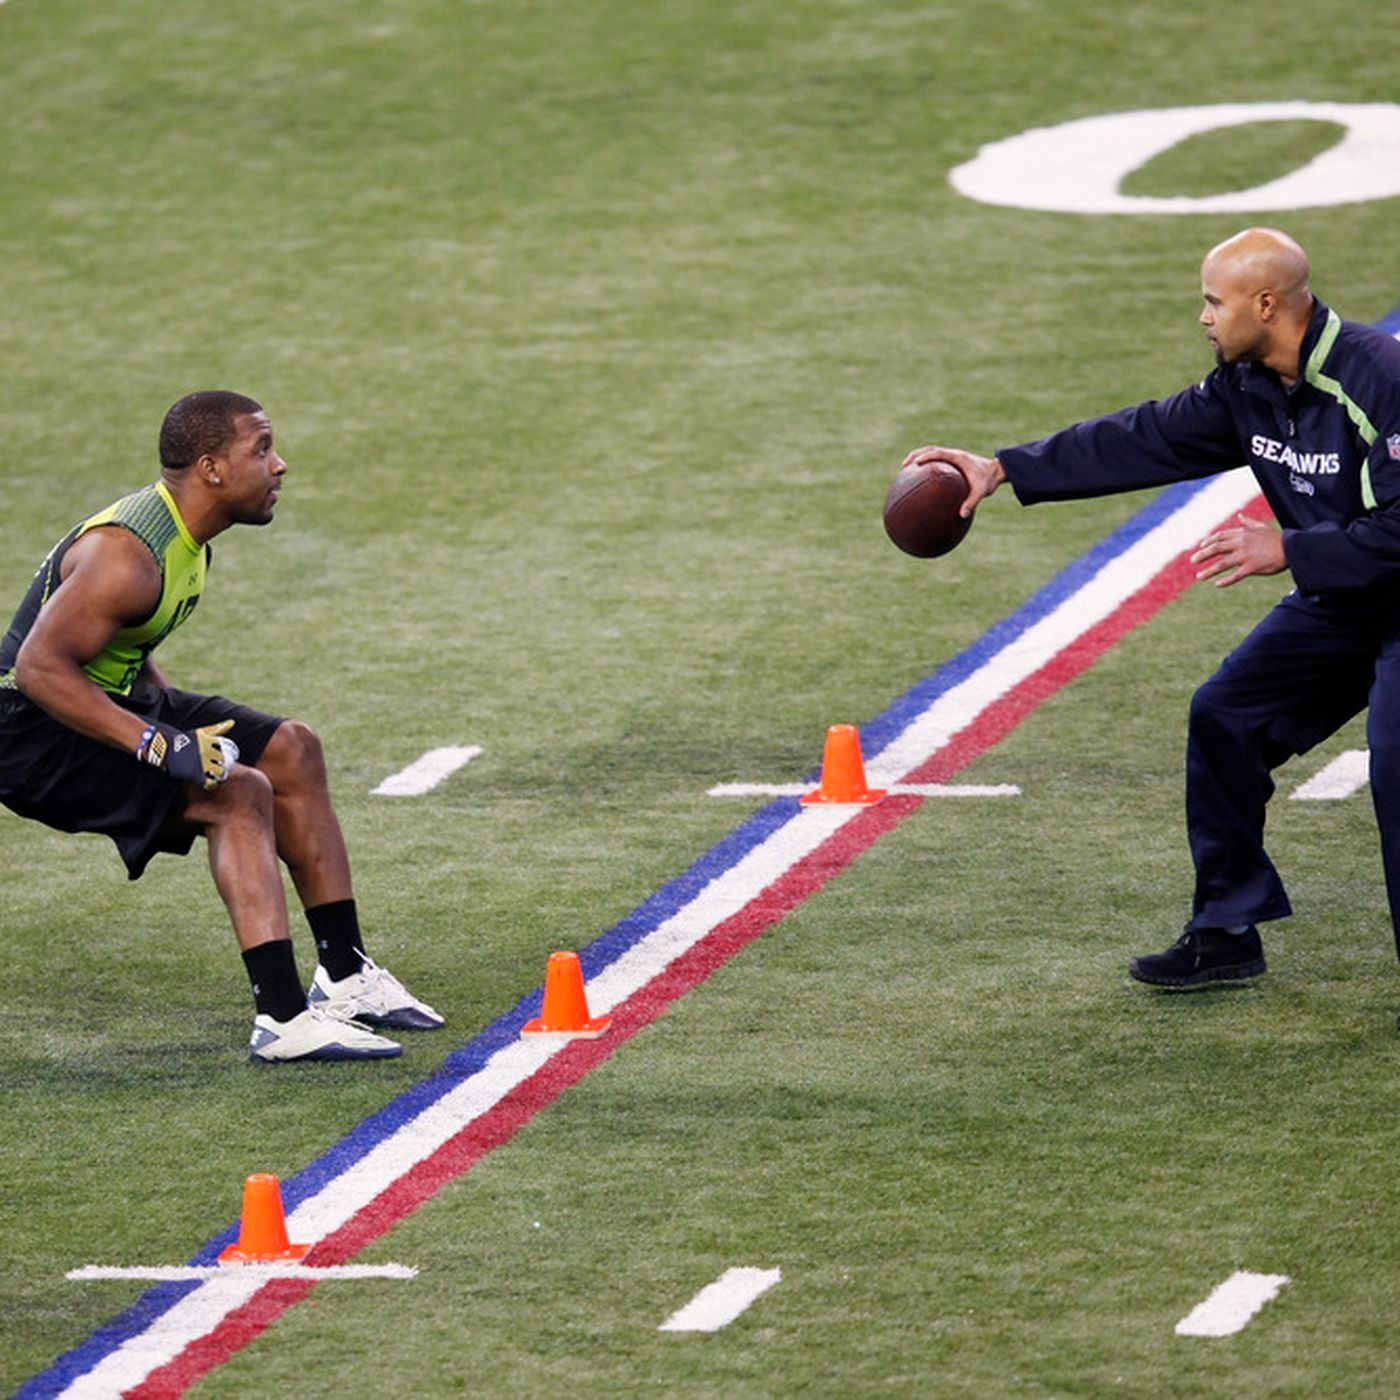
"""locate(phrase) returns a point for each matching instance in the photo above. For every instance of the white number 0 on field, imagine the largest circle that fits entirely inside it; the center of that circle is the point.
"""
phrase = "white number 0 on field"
(1077, 167)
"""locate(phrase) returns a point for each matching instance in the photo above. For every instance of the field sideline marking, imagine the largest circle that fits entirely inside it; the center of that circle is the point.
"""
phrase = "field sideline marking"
(719, 1303)
(424, 774)
(1231, 1305)
(400, 1157)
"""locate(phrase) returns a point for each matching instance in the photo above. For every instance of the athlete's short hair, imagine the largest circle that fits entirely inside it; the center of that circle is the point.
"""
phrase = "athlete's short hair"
(199, 423)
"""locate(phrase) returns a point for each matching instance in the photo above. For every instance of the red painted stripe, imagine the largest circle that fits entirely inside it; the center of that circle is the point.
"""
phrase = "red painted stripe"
(214, 1348)
(1003, 715)
(572, 1063)
(460, 1153)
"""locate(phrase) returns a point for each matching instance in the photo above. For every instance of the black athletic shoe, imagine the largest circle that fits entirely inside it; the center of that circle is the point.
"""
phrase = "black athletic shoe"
(1201, 957)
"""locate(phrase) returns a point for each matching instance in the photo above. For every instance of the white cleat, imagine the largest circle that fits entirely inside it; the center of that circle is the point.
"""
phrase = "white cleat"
(316, 1034)
(375, 996)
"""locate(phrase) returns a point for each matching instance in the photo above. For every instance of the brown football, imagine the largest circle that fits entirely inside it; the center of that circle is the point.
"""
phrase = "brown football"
(921, 509)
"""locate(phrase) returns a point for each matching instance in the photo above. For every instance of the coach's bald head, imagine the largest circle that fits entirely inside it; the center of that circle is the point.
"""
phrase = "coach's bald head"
(1257, 299)
(1265, 259)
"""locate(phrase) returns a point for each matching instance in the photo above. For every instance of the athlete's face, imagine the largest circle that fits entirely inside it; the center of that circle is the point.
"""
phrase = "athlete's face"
(251, 471)
(1229, 313)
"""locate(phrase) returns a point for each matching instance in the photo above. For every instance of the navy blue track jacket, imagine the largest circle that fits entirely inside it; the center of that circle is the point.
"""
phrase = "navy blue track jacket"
(1326, 453)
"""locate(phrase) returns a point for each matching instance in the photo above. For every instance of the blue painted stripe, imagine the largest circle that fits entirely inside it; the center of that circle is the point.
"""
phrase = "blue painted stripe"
(144, 1313)
(603, 951)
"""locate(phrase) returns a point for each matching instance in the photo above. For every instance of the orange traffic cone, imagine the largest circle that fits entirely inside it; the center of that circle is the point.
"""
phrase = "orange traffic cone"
(565, 1004)
(262, 1233)
(843, 770)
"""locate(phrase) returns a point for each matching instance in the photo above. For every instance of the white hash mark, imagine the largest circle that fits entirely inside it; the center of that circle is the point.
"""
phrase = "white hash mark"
(719, 1303)
(1230, 1307)
(424, 774)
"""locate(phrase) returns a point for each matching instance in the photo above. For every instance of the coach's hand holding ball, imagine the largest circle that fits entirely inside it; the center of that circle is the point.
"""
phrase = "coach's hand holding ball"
(930, 503)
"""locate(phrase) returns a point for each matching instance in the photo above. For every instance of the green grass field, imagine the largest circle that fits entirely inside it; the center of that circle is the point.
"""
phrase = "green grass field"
(593, 335)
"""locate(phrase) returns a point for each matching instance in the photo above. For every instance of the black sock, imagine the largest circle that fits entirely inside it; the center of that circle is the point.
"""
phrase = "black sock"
(272, 969)
(336, 928)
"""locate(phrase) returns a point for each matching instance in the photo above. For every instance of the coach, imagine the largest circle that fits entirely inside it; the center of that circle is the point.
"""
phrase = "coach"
(1311, 403)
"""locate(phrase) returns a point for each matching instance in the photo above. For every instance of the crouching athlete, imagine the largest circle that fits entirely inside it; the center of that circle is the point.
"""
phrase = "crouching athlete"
(1311, 404)
(94, 738)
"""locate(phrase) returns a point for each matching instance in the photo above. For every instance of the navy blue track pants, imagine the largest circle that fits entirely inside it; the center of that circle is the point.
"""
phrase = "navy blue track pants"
(1306, 669)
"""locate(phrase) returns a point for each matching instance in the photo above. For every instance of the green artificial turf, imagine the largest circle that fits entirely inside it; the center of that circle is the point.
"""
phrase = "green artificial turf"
(593, 336)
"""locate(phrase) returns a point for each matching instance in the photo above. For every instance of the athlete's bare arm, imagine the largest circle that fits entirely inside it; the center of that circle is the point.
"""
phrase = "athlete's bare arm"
(109, 579)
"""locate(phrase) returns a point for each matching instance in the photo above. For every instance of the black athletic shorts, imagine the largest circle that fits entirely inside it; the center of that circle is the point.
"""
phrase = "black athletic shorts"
(59, 777)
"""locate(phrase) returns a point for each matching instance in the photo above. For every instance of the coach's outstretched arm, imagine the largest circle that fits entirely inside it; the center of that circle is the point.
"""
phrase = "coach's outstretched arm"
(983, 474)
